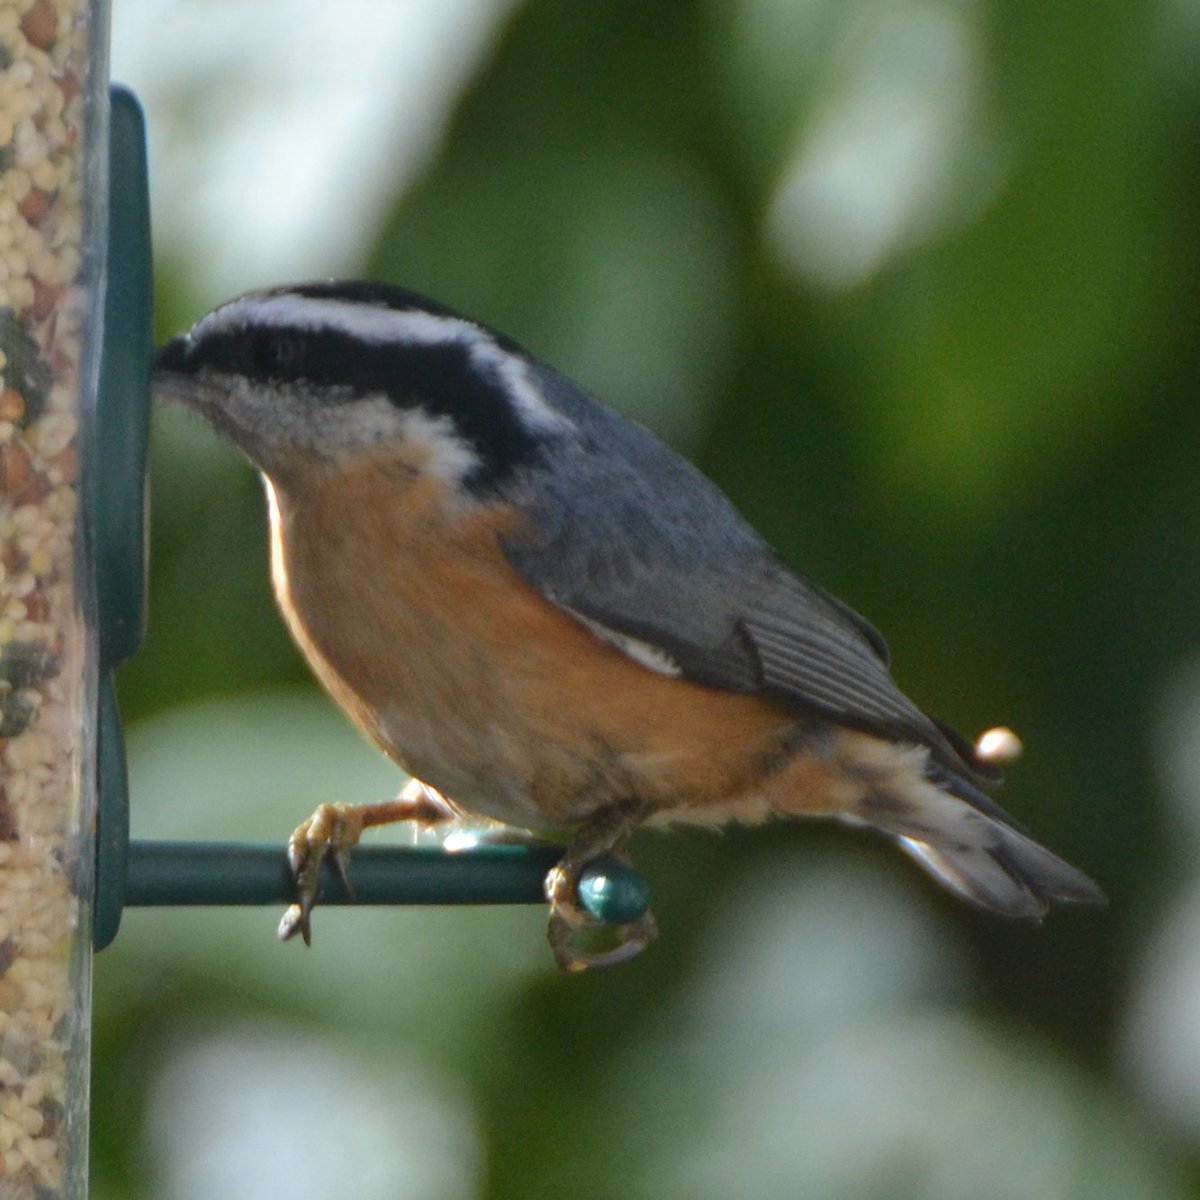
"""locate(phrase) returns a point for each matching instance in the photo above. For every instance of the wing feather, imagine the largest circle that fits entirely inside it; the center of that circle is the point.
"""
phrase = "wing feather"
(634, 540)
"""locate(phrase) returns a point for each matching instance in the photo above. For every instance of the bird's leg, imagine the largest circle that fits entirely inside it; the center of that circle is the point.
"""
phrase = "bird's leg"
(333, 830)
(605, 833)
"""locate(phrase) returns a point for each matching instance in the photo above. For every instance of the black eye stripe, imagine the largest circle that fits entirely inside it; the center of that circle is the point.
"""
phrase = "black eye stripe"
(441, 378)
(276, 354)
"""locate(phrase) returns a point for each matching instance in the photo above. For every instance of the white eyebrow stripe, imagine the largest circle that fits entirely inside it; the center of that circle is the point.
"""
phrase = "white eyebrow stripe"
(526, 396)
(380, 326)
(369, 322)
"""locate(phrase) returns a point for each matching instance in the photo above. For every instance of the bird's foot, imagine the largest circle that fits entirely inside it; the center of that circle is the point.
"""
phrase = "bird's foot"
(332, 831)
(570, 923)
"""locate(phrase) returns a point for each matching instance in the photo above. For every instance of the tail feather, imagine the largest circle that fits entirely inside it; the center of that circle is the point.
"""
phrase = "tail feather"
(973, 848)
(1012, 876)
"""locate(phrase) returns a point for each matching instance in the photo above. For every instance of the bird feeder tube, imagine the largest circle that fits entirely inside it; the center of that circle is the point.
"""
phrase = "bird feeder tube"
(52, 167)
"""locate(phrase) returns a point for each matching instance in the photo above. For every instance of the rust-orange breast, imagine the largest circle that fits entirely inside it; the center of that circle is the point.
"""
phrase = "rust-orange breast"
(417, 625)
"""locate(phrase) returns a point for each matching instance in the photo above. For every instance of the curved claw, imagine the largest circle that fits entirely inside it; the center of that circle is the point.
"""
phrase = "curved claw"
(295, 919)
(632, 939)
(332, 831)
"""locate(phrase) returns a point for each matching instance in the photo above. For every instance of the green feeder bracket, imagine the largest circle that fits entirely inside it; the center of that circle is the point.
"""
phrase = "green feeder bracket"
(116, 473)
(205, 873)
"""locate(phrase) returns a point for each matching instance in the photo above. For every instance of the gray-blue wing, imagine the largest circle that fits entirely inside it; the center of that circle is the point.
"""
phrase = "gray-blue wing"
(636, 541)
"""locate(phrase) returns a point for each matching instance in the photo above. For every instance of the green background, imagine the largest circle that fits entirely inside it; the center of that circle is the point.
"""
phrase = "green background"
(980, 428)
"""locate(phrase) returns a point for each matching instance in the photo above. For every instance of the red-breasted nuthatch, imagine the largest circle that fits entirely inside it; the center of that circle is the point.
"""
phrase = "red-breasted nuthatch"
(550, 619)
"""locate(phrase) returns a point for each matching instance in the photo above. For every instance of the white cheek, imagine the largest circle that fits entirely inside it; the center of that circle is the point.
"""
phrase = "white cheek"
(429, 438)
(446, 456)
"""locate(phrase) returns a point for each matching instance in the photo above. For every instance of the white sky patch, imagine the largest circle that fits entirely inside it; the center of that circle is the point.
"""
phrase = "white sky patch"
(281, 130)
(255, 1109)
(1160, 1045)
(898, 153)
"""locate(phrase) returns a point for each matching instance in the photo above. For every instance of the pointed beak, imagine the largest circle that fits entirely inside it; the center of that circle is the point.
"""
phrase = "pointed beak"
(175, 373)
(172, 357)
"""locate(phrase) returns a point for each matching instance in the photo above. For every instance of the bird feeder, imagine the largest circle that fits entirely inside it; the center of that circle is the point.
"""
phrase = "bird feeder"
(53, 123)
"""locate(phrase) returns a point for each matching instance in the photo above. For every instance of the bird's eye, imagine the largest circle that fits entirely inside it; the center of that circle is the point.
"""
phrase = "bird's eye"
(278, 355)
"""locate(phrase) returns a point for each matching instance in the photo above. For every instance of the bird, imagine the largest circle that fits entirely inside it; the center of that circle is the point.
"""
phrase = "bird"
(551, 620)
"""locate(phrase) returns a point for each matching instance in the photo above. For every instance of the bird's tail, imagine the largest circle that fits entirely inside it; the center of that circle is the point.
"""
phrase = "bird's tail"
(973, 848)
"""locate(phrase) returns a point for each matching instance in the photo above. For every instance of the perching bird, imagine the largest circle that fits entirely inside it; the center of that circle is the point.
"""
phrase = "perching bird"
(550, 619)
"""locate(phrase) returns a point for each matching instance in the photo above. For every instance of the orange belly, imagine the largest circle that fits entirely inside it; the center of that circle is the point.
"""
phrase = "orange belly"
(480, 687)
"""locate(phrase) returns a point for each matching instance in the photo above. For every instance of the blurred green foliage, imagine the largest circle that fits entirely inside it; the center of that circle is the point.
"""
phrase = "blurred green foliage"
(915, 283)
